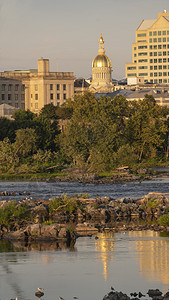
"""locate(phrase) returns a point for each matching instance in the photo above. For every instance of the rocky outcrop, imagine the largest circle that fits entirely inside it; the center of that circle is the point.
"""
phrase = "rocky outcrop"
(155, 294)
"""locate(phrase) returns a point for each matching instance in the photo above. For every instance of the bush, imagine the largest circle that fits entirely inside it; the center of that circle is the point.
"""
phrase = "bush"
(13, 213)
(164, 220)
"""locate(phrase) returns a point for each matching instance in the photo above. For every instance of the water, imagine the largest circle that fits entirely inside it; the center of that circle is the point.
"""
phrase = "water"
(46, 190)
(134, 261)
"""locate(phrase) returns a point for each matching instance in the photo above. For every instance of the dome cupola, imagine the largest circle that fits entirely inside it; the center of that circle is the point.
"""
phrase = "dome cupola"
(101, 67)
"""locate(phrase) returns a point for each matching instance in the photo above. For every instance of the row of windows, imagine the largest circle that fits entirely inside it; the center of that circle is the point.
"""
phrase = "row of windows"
(155, 74)
(131, 68)
(159, 40)
(10, 87)
(159, 60)
(164, 46)
(143, 74)
(159, 81)
(9, 97)
(36, 105)
(160, 67)
(163, 32)
(160, 53)
(51, 96)
(51, 87)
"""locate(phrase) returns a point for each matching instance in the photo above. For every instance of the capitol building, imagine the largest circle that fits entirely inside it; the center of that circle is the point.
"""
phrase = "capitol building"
(101, 71)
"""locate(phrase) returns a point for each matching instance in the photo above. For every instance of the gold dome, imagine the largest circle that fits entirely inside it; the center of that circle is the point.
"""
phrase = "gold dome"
(101, 61)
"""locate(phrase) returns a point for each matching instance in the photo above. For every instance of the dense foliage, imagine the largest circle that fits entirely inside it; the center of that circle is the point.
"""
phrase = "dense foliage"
(99, 135)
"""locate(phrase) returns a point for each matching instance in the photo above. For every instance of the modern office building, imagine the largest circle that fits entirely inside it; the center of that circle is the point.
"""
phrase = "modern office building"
(40, 86)
(150, 52)
(101, 71)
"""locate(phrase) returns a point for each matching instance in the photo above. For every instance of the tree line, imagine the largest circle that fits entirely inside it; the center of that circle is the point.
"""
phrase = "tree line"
(99, 135)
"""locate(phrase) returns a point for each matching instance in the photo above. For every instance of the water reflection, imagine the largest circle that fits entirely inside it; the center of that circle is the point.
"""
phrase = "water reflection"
(130, 261)
(153, 255)
(104, 245)
(18, 246)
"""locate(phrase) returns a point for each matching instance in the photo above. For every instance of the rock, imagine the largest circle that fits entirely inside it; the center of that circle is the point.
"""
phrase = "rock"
(154, 293)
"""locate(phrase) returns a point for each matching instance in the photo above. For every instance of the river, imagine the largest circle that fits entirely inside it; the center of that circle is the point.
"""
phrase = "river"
(46, 190)
(131, 261)
(134, 261)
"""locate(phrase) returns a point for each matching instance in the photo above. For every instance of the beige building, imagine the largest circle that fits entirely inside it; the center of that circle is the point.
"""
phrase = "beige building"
(12, 92)
(150, 52)
(42, 86)
(101, 71)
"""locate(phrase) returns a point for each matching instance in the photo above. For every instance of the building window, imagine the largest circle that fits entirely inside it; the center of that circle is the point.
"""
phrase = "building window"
(164, 32)
(164, 39)
(16, 87)
(155, 40)
(135, 48)
(160, 80)
(155, 74)
(164, 67)
(164, 46)
(143, 74)
(164, 73)
(142, 41)
(23, 97)
(164, 60)
(22, 105)
(36, 96)
(58, 103)
(131, 75)
(155, 61)
(58, 87)
(150, 33)
(164, 53)
(64, 96)
(23, 87)
(16, 96)
(142, 60)
(143, 67)
(131, 68)
(159, 46)
(51, 87)
(160, 60)
(141, 34)
(135, 55)
(142, 47)
(155, 53)
(36, 105)
(36, 87)
(58, 96)
(3, 87)
(64, 87)
(3, 97)
(151, 67)
(151, 61)
(151, 74)
(9, 87)
(51, 96)
(160, 67)
(160, 74)
(159, 32)
(9, 97)
(142, 53)
(168, 39)
(159, 53)
(159, 40)
(155, 67)
(164, 80)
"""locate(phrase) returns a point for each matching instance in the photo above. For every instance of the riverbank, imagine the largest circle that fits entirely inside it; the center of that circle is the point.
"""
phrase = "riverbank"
(67, 218)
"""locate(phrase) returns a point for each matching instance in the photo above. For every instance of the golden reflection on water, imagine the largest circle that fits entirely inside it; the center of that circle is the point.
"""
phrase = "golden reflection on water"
(153, 255)
(104, 246)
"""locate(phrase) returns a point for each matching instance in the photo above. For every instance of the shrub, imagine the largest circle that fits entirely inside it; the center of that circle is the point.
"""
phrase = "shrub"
(164, 220)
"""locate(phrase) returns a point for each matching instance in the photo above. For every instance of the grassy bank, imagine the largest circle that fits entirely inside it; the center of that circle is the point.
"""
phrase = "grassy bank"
(35, 176)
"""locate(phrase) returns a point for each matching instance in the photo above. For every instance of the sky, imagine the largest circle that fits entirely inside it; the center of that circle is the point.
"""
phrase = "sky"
(67, 32)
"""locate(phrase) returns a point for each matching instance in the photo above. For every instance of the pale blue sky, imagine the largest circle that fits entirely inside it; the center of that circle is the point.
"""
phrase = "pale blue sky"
(67, 32)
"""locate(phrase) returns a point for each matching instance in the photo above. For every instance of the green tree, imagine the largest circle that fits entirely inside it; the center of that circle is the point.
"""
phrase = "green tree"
(146, 129)
(25, 142)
